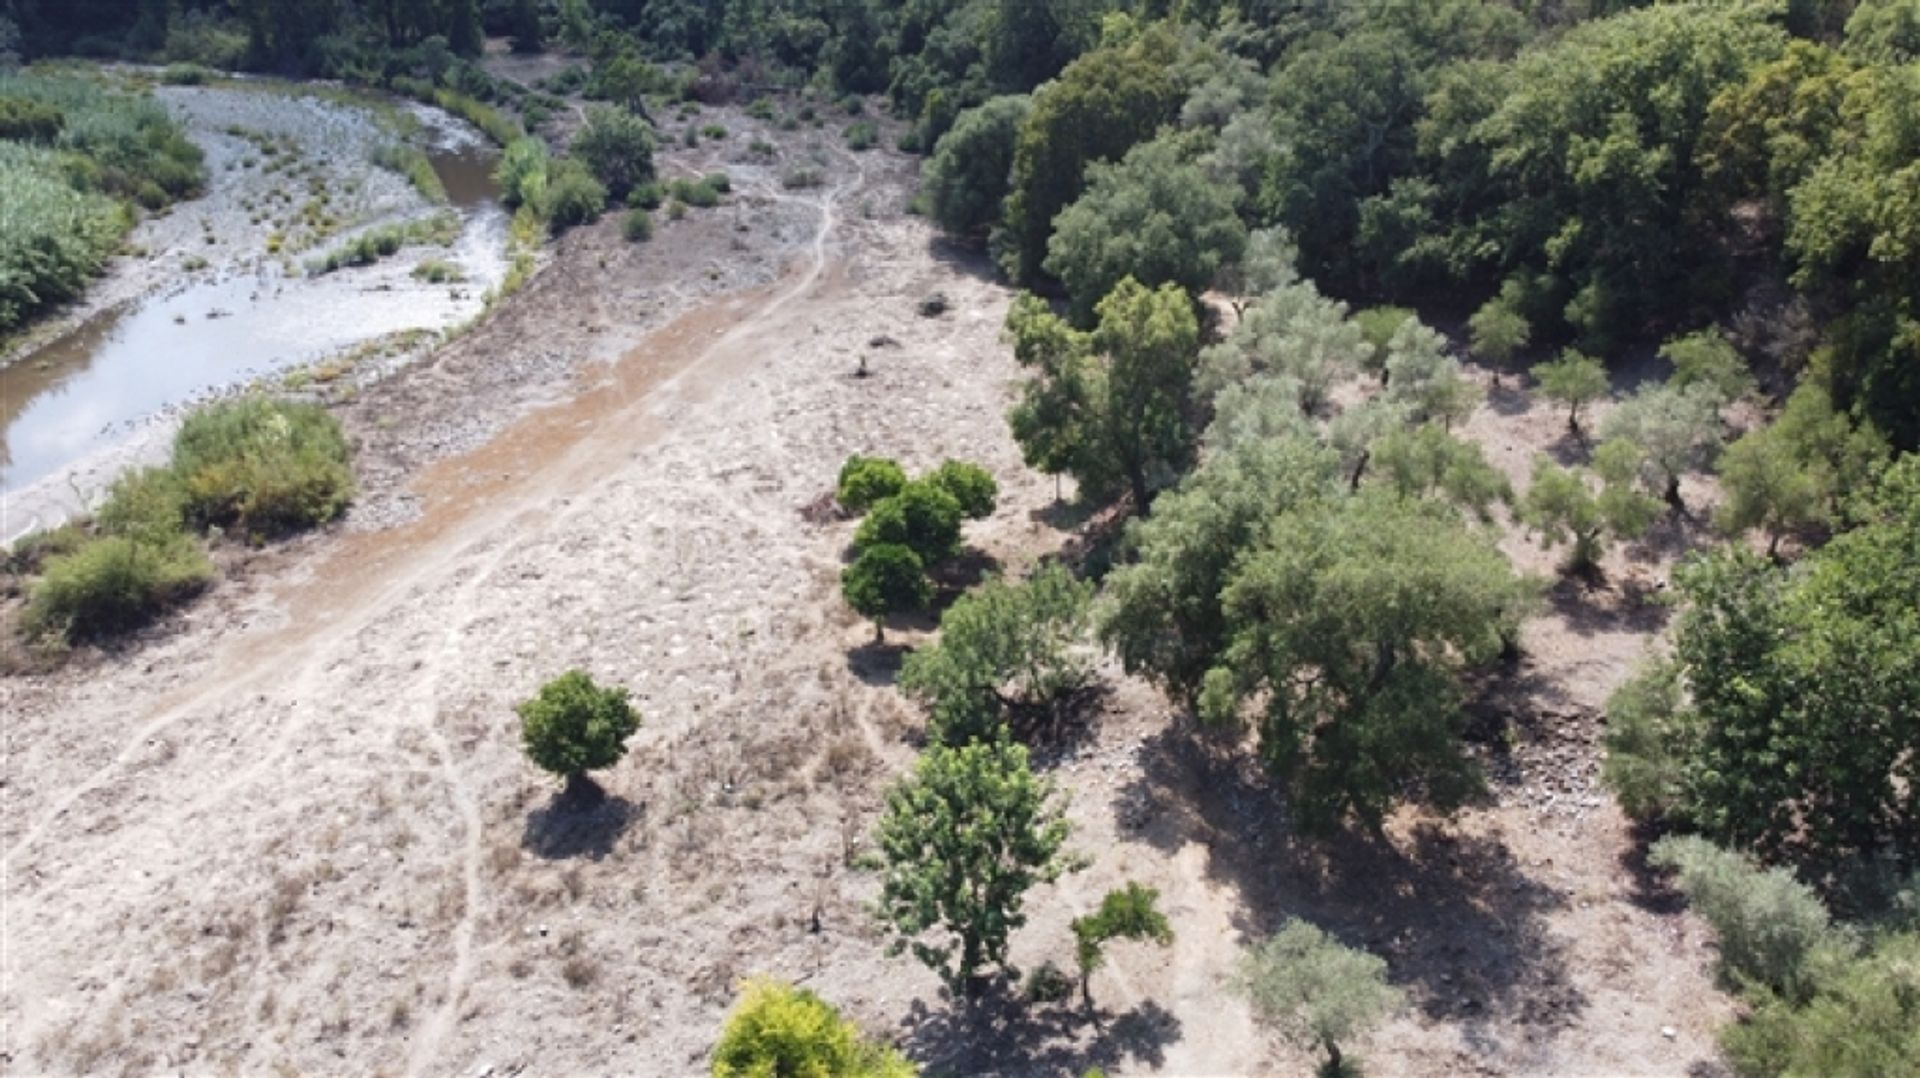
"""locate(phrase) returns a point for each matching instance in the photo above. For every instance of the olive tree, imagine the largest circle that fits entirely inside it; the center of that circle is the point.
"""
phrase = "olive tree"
(1562, 506)
(573, 726)
(1677, 428)
(1499, 333)
(1349, 625)
(1573, 380)
(1314, 991)
(962, 839)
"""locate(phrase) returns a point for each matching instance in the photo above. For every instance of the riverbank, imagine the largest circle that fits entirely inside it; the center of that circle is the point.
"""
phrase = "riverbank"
(215, 295)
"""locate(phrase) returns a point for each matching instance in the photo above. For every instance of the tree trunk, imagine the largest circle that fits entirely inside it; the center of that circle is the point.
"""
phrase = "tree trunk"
(1334, 1065)
(1137, 480)
(581, 790)
(1673, 494)
(879, 632)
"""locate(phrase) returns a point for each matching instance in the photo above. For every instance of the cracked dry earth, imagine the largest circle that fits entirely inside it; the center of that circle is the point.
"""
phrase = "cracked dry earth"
(293, 831)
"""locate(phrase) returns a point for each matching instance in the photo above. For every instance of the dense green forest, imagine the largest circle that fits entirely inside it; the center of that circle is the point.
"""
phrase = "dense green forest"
(1724, 193)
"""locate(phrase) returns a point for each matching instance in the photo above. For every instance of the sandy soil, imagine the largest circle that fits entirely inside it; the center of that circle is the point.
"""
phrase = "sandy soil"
(295, 831)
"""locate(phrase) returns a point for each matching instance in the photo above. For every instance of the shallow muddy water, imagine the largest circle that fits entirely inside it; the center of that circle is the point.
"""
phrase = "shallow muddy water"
(82, 392)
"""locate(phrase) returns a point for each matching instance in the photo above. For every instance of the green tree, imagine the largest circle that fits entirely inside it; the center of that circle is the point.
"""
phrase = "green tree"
(884, 580)
(573, 726)
(1155, 216)
(969, 484)
(465, 33)
(1379, 325)
(1315, 991)
(1130, 913)
(1008, 654)
(922, 517)
(866, 480)
(1099, 107)
(1793, 732)
(1499, 333)
(1111, 406)
(1708, 363)
(1790, 476)
(1768, 487)
(964, 838)
(1561, 505)
(780, 1031)
(1572, 380)
(1349, 625)
(966, 180)
(618, 146)
(1427, 462)
(1292, 332)
(1677, 428)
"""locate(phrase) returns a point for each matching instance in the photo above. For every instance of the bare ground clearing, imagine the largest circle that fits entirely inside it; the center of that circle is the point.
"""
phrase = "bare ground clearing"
(294, 829)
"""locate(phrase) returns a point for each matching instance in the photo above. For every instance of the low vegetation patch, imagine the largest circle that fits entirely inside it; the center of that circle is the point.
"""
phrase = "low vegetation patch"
(410, 162)
(375, 244)
(74, 161)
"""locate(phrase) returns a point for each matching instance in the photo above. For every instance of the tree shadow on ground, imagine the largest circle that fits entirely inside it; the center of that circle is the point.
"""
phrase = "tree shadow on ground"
(1065, 514)
(572, 825)
(1673, 534)
(1509, 398)
(1003, 1034)
(1573, 448)
(966, 258)
(877, 664)
(1591, 606)
(1460, 922)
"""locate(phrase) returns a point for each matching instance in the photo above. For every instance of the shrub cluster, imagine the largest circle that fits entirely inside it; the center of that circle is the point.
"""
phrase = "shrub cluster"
(911, 526)
(263, 466)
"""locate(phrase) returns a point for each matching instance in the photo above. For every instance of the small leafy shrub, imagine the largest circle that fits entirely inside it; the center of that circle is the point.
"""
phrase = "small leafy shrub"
(637, 226)
(186, 75)
(801, 178)
(719, 182)
(779, 1030)
(438, 271)
(143, 503)
(263, 465)
(646, 196)
(761, 109)
(522, 172)
(1048, 984)
(862, 136)
(695, 193)
(714, 131)
(573, 196)
(1769, 924)
(114, 583)
(866, 480)
(676, 210)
